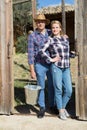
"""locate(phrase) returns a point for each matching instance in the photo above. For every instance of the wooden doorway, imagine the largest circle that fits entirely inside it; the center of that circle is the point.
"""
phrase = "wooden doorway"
(6, 57)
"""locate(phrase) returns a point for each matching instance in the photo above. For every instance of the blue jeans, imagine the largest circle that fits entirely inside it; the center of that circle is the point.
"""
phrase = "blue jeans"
(41, 72)
(62, 85)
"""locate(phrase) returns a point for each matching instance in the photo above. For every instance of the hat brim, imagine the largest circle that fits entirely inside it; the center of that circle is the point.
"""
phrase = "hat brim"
(47, 21)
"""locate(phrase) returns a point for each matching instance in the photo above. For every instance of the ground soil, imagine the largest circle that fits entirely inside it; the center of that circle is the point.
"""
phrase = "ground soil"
(25, 118)
(31, 122)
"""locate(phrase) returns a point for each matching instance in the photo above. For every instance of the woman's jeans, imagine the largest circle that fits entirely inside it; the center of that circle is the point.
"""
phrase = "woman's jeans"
(41, 72)
(62, 85)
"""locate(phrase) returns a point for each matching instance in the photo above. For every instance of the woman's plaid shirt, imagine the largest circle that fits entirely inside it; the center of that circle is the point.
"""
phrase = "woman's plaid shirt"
(57, 46)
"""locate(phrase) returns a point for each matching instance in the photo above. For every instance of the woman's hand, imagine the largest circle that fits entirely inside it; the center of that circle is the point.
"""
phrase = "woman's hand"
(55, 59)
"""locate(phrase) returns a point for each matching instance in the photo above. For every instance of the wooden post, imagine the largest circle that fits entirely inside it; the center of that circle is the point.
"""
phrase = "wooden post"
(63, 16)
(6, 49)
(81, 43)
(33, 11)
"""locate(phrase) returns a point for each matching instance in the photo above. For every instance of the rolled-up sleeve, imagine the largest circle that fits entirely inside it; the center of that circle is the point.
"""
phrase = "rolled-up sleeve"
(30, 49)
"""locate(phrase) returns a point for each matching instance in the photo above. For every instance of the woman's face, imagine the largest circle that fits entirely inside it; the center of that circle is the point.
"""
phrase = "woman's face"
(56, 29)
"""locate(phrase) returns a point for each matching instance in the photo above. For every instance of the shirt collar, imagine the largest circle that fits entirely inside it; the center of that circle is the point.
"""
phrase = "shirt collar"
(41, 33)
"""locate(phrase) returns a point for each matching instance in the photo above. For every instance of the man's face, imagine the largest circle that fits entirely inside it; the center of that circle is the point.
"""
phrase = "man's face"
(41, 24)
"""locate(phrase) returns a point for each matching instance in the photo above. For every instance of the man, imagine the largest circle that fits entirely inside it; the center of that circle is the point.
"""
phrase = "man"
(38, 67)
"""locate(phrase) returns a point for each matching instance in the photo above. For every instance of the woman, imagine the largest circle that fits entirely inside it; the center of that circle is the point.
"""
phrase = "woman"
(58, 46)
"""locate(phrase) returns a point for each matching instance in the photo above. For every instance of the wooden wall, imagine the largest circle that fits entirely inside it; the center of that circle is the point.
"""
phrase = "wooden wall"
(6, 48)
(6, 55)
(81, 45)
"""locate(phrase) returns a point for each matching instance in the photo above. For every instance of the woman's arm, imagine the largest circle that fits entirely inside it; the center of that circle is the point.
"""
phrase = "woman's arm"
(43, 51)
(48, 46)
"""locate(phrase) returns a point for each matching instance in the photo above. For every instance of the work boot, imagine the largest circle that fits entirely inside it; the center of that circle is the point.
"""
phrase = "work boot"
(53, 110)
(41, 112)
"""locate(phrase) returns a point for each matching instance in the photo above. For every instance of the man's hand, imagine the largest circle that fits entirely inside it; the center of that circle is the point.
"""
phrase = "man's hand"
(65, 36)
(32, 72)
(33, 75)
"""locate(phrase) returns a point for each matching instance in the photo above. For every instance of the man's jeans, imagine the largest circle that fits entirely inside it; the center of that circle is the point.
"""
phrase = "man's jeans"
(41, 72)
(62, 85)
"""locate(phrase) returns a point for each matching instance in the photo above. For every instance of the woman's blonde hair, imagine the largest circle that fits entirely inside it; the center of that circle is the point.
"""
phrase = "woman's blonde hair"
(59, 23)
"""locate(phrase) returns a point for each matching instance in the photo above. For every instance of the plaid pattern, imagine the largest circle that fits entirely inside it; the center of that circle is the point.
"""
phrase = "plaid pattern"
(35, 42)
(57, 46)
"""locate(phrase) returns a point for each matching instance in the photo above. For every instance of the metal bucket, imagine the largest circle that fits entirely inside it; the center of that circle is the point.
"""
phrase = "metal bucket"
(31, 93)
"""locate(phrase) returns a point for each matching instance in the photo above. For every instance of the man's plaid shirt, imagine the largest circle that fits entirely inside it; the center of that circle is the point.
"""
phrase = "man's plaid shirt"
(35, 42)
(57, 46)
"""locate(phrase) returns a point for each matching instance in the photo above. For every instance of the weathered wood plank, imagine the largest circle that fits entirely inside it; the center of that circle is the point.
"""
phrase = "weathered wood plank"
(81, 40)
(20, 1)
(6, 56)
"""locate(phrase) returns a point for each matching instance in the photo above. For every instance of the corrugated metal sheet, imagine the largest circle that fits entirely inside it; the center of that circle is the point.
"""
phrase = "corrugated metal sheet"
(55, 9)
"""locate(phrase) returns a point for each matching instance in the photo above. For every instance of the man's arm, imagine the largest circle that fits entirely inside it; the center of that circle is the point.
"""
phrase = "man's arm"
(32, 71)
(31, 56)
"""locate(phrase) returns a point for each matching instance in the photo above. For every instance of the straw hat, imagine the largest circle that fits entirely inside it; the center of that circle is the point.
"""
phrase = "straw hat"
(40, 17)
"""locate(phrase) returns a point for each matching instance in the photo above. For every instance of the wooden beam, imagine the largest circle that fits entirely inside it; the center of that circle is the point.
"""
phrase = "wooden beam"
(20, 1)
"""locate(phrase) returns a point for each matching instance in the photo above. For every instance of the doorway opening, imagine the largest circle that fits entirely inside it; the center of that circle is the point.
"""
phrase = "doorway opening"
(21, 67)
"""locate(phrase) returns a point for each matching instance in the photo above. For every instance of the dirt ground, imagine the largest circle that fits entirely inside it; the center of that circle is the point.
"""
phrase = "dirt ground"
(25, 118)
(31, 122)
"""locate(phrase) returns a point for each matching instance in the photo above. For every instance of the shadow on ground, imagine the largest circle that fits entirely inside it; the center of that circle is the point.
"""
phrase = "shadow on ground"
(26, 109)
